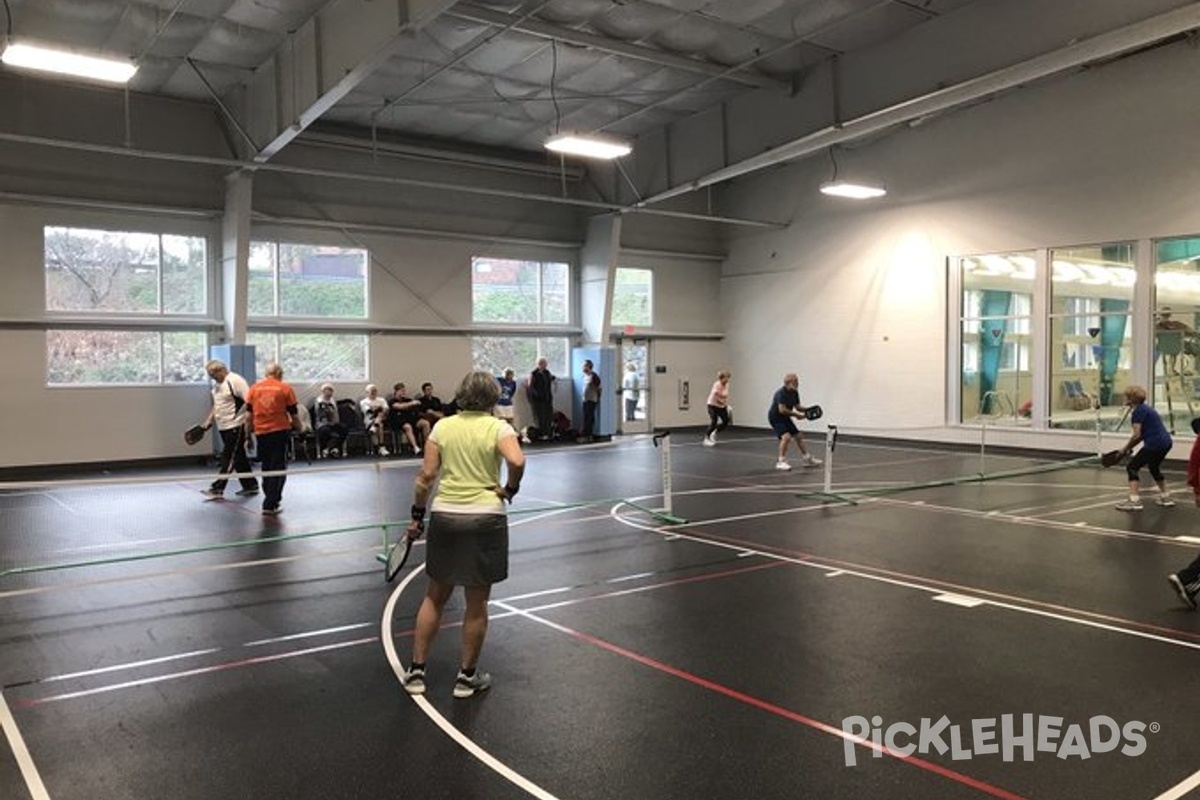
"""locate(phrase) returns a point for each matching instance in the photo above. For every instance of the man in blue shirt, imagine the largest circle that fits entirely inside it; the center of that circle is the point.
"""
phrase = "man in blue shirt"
(786, 407)
(1156, 442)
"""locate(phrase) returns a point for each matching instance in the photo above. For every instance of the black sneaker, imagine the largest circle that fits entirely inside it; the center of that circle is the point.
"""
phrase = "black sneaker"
(213, 494)
(248, 492)
(272, 512)
(1189, 600)
(470, 685)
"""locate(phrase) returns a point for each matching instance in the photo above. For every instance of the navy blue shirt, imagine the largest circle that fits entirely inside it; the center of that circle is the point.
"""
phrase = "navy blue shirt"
(788, 398)
(1154, 433)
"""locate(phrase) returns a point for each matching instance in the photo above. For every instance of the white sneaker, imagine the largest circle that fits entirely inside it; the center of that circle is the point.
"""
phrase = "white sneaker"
(709, 442)
(809, 461)
(383, 451)
(1164, 500)
(782, 465)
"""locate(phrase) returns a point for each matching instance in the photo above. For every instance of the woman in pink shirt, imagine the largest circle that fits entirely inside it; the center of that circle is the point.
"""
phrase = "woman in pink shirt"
(718, 408)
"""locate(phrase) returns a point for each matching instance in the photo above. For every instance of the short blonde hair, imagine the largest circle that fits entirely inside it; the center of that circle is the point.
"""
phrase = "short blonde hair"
(1135, 394)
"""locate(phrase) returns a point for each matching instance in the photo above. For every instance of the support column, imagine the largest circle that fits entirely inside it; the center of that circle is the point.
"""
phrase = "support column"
(235, 255)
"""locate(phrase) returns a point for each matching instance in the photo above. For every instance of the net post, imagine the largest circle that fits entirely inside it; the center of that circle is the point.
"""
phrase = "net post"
(662, 440)
(830, 446)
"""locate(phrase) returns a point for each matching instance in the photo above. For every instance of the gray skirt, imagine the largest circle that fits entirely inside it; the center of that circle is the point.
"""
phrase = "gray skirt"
(467, 549)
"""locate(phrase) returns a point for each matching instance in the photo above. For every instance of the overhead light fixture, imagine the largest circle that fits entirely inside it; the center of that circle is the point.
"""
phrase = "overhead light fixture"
(857, 191)
(63, 62)
(588, 146)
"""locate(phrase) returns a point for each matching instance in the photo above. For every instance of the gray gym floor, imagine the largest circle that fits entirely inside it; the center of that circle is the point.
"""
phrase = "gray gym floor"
(721, 657)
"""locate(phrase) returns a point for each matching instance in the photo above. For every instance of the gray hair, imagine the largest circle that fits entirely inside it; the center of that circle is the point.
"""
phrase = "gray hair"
(477, 392)
(274, 370)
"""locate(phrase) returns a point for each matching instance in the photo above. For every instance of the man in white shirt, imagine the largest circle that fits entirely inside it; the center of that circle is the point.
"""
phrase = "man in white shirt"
(228, 413)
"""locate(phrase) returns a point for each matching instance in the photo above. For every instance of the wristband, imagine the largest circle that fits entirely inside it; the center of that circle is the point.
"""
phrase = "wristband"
(511, 491)
(418, 513)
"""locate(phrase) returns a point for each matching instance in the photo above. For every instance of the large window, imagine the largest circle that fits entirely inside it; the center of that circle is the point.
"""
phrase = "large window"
(1090, 332)
(1176, 343)
(522, 292)
(308, 281)
(498, 353)
(996, 332)
(309, 358)
(107, 357)
(101, 275)
(127, 273)
(633, 297)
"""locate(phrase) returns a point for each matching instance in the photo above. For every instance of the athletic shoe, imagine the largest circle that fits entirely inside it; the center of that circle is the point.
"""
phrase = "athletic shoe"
(1129, 505)
(383, 451)
(709, 442)
(414, 680)
(272, 512)
(1165, 501)
(809, 461)
(248, 492)
(468, 686)
(782, 465)
(1188, 599)
(213, 494)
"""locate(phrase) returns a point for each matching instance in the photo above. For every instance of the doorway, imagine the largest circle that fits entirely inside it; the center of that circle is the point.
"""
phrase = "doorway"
(634, 406)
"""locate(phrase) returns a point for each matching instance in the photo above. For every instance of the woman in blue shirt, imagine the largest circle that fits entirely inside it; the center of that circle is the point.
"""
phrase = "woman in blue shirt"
(1156, 442)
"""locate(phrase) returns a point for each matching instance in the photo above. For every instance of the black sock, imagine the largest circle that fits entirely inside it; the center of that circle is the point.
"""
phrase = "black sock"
(416, 665)
(470, 673)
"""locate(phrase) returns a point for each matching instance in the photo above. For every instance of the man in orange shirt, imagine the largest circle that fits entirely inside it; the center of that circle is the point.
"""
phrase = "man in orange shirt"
(272, 405)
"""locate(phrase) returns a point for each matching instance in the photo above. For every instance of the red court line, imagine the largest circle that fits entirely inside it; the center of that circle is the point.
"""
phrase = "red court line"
(257, 660)
(741, 697)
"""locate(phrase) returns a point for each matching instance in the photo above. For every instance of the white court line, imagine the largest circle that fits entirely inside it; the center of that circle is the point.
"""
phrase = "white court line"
(960, 600)
(463, 741)
(1180, 789)
(1188, 539)
(29, 771)
(149, 662)
(814, 563)
(307, 634)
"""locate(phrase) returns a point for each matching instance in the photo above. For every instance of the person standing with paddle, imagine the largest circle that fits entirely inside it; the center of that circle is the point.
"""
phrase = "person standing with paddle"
(1147, 428)
(468, 524)
(786, 407)
(228, 413)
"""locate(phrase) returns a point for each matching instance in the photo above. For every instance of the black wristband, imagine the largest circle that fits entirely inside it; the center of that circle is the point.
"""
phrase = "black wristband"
(418, 513)
(511, 490)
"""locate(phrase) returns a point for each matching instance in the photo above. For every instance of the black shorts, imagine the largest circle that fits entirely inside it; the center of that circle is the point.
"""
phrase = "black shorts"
(467, 549)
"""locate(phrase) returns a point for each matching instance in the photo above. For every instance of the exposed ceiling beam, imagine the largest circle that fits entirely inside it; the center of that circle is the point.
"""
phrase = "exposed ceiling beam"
(327, 59)
(487, 16)
(233, 164)
(1073, 56)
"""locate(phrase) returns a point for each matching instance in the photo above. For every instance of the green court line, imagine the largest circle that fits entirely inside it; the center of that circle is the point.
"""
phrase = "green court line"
(383, 525)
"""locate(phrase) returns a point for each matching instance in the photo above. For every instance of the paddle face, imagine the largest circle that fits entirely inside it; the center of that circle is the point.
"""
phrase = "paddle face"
(193, 434)
(1111, 458)
(397, 557)
(813, 412)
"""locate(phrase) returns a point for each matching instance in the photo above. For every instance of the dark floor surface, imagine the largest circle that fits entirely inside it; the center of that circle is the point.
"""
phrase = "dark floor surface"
(720, 658)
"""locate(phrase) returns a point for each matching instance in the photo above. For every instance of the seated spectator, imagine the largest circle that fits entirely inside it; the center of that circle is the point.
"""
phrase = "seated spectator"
(330, 430)
(374, 411)
(431, 411)
(403, 415)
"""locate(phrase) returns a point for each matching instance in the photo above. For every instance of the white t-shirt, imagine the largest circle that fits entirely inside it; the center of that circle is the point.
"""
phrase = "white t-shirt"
(228, 413)
(373, 409)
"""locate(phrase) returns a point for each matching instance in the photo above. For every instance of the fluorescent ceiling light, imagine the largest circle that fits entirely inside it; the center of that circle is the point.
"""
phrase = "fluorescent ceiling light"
(66, 63)
(588, 146)
(857, 191)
